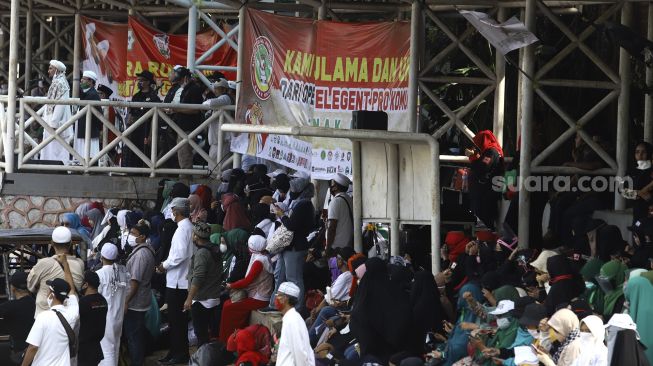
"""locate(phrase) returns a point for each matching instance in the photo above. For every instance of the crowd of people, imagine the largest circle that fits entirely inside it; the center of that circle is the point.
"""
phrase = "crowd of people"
(185, 88)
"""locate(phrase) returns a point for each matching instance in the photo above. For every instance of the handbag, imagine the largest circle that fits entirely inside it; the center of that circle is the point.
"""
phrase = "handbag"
(237, 295)
(280, 239)
(72, 339)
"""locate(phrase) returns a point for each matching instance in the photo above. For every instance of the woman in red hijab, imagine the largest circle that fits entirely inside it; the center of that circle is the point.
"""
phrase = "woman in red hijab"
(235, 216)
(486, 163)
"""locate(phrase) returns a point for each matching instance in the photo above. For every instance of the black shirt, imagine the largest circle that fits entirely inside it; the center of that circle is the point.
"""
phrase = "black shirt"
(93, 317)
(191, 94)
(18, 316)
(96, 124)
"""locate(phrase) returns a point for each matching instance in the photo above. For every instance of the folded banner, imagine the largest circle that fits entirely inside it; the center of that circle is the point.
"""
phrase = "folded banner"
(315, 73)
(505, 37)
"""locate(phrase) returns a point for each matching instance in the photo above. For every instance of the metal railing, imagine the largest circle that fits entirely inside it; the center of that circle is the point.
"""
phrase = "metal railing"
(27, 147)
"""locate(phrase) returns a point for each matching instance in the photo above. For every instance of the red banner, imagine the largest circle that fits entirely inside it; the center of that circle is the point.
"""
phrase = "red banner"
(305, 72)
(117, 52)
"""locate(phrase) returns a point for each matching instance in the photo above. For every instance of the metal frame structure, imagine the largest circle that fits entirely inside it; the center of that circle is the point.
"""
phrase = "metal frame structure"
(63, 13)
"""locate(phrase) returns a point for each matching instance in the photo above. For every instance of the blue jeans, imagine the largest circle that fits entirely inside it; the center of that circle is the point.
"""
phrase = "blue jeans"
(134, 329)
(290, 267)
(327, 312)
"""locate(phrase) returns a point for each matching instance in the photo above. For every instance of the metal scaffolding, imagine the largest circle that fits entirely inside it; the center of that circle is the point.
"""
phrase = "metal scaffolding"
(38, 30)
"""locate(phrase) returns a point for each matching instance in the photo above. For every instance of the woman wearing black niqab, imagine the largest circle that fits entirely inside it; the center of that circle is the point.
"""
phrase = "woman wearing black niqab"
(566, 283)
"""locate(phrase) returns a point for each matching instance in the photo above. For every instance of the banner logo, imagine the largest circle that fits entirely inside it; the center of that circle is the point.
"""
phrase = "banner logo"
(162, 44)
(262, 63)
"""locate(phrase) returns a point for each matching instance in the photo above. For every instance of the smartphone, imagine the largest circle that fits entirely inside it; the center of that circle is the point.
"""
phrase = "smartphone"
(453, 266)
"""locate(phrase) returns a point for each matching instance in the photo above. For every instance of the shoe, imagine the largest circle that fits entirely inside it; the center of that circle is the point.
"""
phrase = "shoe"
(176, 361)
(268, 310)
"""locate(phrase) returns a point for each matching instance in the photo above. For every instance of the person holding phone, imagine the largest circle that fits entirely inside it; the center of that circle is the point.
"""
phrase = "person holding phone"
(565, 329)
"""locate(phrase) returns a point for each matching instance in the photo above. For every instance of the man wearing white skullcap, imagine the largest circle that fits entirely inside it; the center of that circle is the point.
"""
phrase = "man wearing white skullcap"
(57, 115)
(114, 281)
(294, 344)
(220, 89)
(48, 268)
(340, 231)
(88, 92)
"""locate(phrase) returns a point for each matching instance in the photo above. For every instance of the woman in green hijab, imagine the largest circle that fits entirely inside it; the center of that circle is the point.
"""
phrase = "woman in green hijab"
(639, 294)
(507, 327)
(593, 294)
(236, 241)
(611, 280)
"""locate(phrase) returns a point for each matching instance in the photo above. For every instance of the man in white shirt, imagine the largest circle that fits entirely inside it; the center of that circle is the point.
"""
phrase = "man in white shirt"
(48, 339)
(294, 346)
(176, 268)
(220, 87)
(340, 230)
(113, 286)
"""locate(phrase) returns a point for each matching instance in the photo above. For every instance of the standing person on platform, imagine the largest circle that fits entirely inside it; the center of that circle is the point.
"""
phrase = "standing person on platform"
(340, 233)
(47, 269)
(88, 92)
(141, 135)
(167, 136)
(220, 87)
(486, 160)
(92, 319)
(294, 346)
(176, 268)
(188, 119)
(18, 315)
(113, 286)
(140, 265)
(51, 335)
(55, 115)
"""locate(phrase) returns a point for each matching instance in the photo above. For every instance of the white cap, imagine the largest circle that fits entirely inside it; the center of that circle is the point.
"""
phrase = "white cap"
(232, 85)
(503, 308)
(180, 202)
(222, 83)
(275, 173)
(342, 179)
(300, 174)
(109, 251)
(289, 289)
(58, 65)
(90, 74)
(61, 235)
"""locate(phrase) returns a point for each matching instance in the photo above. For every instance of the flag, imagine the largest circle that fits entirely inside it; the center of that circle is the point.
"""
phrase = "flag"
(505, 37)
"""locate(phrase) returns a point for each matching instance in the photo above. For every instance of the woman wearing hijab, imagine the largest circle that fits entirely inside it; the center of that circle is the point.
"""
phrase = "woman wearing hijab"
(563, 328)
(197, 212)
(178, 190)
(639, 294)
(642, 177)
(236, 241)
(456, 347)
(166, 189)
(156, 225)
(486, 163)
(593, 293)
(593, 350)
(566, 283)
(258, 283)
(235, 216)
(206, 197)
(95, 217)
(72, 221)
(82, 209)
(611, 281)
(380, 318)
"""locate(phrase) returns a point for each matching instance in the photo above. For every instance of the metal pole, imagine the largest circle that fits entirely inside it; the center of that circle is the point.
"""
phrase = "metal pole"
(28, 46)
(239, 72)
(623, 107)
(77, 49)
(648, 98)
(526, 88)
(57, 43)
(358, 195)
(435, 208)
(393, 196)
(13, 69)
(415, 27)
(321, 11)
(192, 32)
(500, 89)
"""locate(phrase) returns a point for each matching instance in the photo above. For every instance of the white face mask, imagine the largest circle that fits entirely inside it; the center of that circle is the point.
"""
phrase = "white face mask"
(643, 164)
(223, 248)
(503, 323)
(131, 240)
(587, 337)
(50, 299)
(545, 340)
(534, 333)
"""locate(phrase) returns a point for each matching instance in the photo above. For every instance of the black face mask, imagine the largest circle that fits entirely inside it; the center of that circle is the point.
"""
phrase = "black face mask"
(605, 284)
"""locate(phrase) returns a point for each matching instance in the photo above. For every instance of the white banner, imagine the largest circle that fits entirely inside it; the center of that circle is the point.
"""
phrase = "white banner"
(287, 151)
(505, 37)
(327, 162)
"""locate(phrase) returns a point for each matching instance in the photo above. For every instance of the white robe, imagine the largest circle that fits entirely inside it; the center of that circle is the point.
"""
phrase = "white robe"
(114, 280)
(54, 150)
(294, 346)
